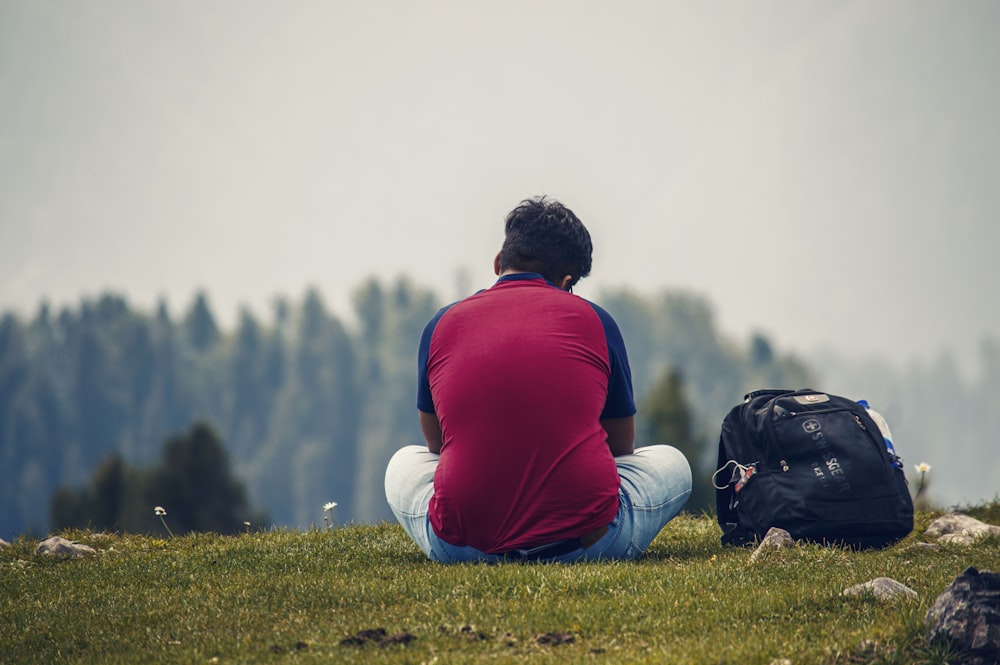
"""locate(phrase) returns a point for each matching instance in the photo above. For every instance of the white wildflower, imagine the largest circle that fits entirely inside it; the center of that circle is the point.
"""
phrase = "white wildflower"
(160, 511)
(328, 508)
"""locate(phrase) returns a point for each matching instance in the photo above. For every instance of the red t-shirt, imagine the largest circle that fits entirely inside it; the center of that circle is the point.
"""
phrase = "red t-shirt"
(519, 376)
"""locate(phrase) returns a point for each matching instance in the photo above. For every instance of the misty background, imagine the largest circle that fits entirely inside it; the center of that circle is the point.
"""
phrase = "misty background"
(821, 175)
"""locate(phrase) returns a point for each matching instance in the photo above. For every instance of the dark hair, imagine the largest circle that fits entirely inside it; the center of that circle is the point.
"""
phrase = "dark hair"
(544, 236)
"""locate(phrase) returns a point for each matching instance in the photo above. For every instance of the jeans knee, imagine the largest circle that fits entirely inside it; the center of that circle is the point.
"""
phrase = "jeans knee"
(408, 469)
(669, 463)
(682, 467)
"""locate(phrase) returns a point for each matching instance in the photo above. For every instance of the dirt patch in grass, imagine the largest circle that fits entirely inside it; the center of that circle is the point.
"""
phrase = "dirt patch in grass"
(377, 636)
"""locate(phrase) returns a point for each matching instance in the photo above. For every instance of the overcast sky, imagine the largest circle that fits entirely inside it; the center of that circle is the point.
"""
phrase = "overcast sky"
(825, 172)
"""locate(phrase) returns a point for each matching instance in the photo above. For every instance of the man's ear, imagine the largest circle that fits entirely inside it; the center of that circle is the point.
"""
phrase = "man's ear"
(496, 264)
(565, 282)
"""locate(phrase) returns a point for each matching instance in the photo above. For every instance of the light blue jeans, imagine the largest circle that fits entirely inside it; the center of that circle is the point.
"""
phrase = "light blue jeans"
(655, 485)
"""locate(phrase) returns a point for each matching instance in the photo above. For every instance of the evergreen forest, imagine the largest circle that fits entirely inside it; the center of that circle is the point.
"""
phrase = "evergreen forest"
(306, 407)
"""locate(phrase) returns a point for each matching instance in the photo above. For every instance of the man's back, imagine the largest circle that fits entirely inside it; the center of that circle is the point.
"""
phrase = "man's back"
(519, 377)
(525, 405)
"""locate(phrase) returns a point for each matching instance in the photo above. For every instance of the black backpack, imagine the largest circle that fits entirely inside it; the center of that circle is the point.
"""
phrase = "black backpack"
(813, 464)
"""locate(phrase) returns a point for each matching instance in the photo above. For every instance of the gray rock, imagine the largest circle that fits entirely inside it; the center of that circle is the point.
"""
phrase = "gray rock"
(883, 588)
(961, 525)
(3, 543)
(959, 539)
(966, 617)
(56, 545)
(774, 539)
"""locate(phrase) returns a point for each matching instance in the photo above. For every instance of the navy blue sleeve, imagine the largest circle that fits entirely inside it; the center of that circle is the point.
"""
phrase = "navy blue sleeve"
(621, 401)
(425, 402)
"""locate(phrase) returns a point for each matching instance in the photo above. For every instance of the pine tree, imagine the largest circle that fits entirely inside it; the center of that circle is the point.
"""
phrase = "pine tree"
(669, 420)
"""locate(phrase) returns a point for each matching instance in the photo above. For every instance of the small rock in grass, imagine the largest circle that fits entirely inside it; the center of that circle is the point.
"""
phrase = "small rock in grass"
(59, 546)
(962, 525)
(959, 539)
(883, 588)
(774, 539)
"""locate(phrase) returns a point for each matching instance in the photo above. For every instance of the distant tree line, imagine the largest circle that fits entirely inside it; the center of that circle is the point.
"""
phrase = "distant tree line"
(193, 477)
(307, 408)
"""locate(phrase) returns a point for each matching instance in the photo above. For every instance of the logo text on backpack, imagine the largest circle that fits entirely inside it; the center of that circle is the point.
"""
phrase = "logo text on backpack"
(829, 464)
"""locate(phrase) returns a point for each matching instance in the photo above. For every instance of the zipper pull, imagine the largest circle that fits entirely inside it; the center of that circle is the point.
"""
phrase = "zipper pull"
(860, 424)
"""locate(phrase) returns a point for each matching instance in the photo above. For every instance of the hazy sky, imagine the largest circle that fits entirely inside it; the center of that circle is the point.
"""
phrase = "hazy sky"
(825, 172)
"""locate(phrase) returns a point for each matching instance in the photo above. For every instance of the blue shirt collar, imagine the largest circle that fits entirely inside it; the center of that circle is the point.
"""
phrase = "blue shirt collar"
(523, 276)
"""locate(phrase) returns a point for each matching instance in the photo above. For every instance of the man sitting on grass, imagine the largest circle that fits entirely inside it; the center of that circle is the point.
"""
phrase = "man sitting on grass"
(525, 403)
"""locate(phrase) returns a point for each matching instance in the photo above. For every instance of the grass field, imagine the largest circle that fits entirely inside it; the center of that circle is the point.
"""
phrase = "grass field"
(366, 594)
